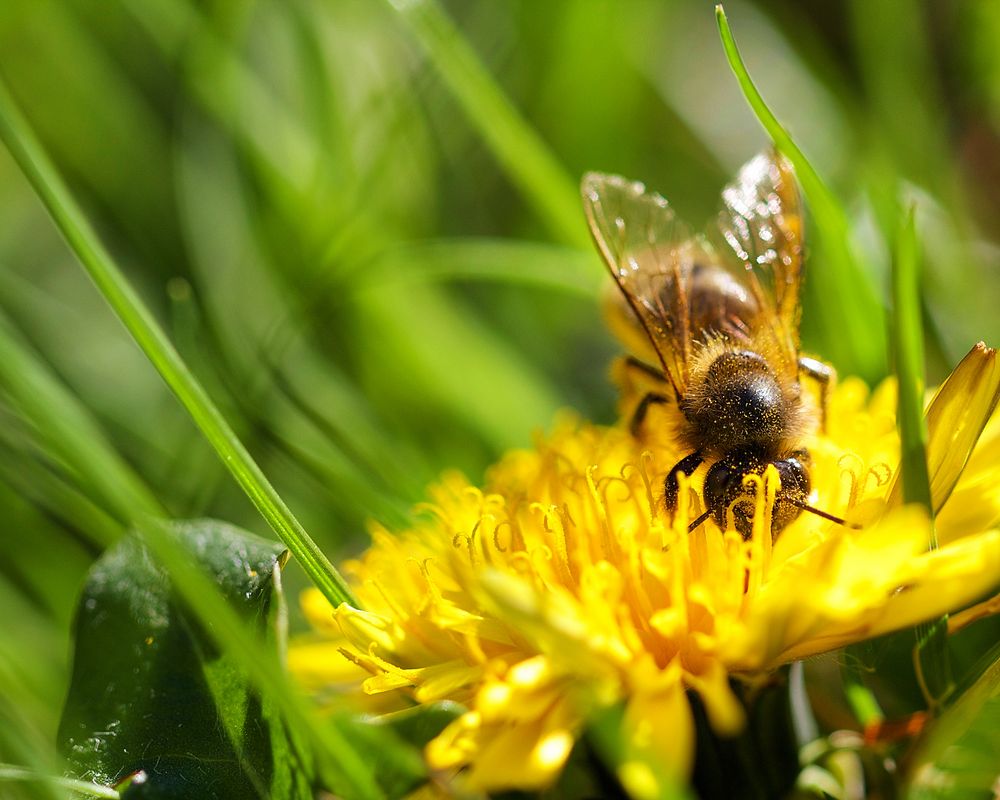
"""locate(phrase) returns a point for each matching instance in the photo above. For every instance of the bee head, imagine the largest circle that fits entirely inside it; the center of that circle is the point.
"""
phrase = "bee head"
(725, 489)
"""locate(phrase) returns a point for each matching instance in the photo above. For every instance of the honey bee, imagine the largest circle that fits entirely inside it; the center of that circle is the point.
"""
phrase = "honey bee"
(716, 330)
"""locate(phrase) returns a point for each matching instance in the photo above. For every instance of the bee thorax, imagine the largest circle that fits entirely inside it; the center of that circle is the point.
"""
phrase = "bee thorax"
(740, 405)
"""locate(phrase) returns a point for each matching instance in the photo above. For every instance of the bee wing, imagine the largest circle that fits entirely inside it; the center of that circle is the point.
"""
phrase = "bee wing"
(646, 248)
(761, 222)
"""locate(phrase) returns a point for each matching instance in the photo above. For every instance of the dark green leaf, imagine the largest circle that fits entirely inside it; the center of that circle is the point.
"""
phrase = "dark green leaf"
(151, 694)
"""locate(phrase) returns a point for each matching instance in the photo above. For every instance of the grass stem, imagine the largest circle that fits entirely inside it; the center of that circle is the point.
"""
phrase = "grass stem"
(851, 314)
(931, 660)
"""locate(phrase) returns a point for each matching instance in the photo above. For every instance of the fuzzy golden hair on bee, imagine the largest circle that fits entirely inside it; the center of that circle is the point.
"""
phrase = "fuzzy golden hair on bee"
(735, 396)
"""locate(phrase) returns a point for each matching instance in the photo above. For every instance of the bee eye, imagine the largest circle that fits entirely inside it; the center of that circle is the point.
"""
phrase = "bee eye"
(723, 484)
(723, 489)
(794, 478)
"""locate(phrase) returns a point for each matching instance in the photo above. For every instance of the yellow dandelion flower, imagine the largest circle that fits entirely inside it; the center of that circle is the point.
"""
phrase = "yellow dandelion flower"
(563, 587)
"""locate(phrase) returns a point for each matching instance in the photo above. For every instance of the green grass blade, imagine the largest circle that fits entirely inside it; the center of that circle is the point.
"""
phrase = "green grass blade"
(515, 263)
(69, 430)
(518, 148)
(126, 304)
(852, 314)
(931, 655)
(908, 348)
(35, 482)
(356, 233)
(14, 773)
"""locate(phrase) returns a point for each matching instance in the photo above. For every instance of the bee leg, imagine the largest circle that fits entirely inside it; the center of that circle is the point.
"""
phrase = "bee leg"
(646, 374)
(639, 415)
(671, 486)
(638, 365)
(823, 374)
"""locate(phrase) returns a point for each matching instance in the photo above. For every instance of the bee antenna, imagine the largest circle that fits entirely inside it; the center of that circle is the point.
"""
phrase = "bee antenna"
(799, 504)
(824, 514)
(698, 521)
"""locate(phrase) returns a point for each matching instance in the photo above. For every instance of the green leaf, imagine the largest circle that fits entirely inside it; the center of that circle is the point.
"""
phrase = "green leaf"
(152, 694)
(957, 756)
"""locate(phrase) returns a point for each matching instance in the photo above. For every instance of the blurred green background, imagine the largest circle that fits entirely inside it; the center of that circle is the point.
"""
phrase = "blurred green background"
(358, 221)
